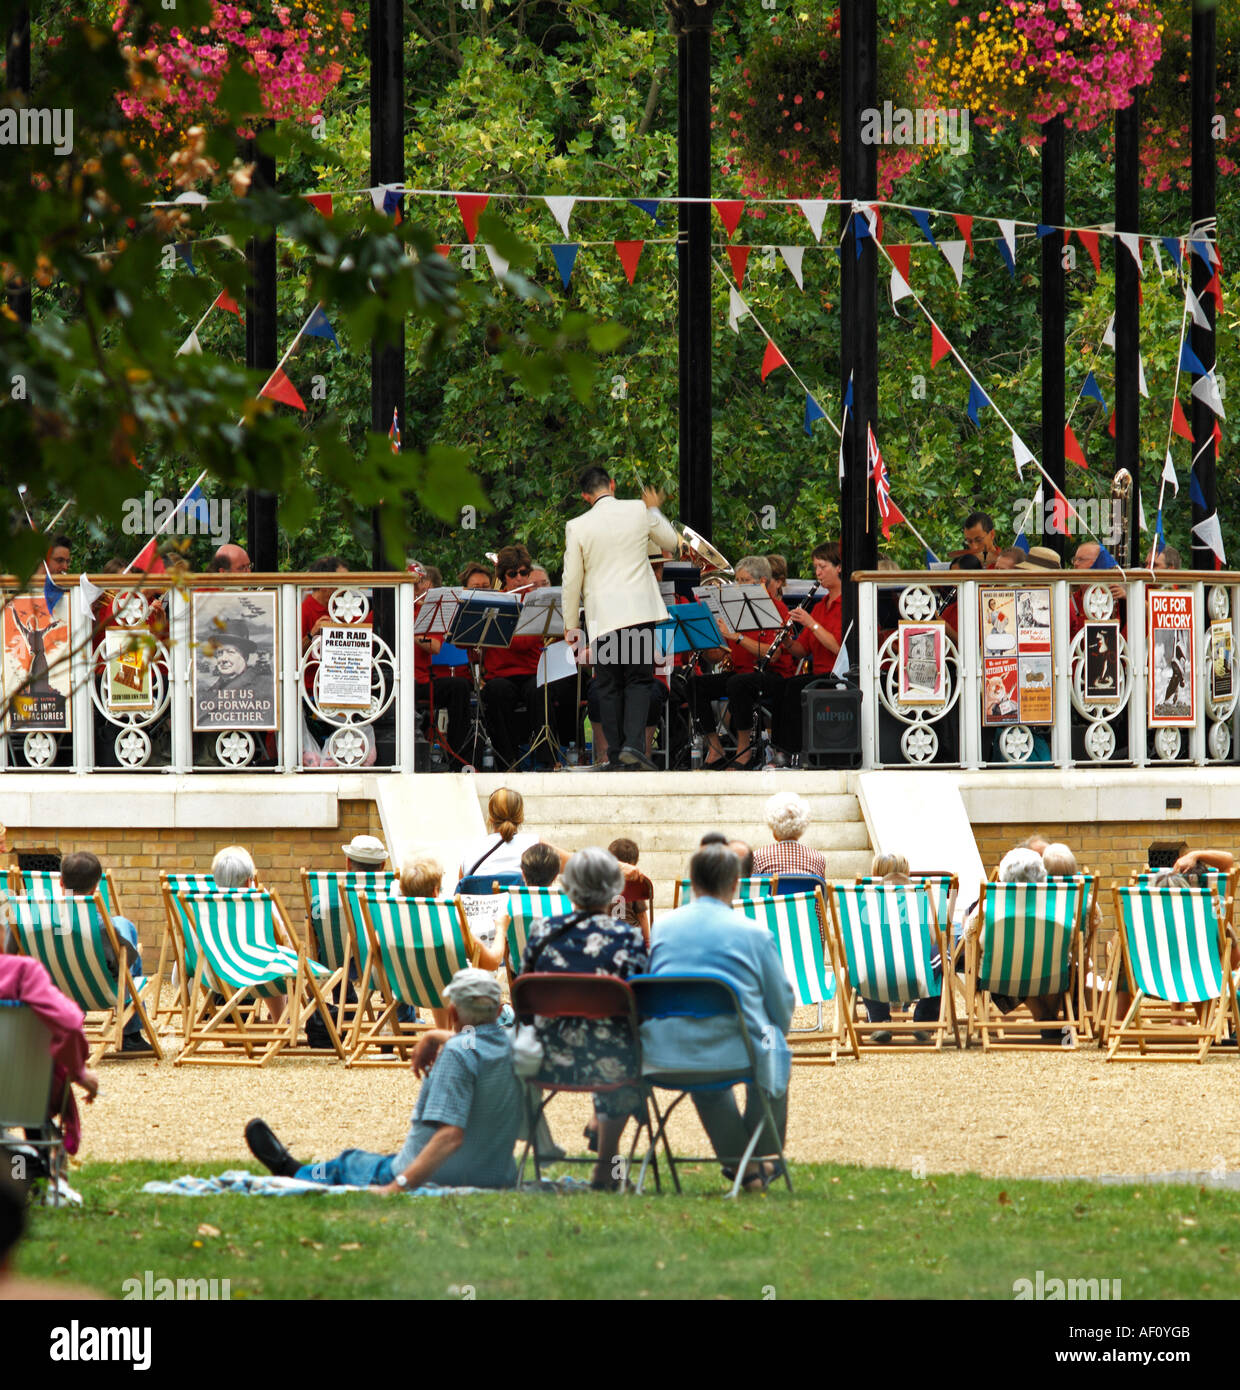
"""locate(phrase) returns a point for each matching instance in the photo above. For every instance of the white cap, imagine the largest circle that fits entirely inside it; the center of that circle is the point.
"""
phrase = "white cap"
(366, 849)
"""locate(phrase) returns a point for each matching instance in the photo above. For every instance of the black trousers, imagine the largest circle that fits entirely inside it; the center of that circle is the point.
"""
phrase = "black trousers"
(450, 693)
(624, 686)
(789, 731)
(702, 691)
(746, 689)
(507, 726)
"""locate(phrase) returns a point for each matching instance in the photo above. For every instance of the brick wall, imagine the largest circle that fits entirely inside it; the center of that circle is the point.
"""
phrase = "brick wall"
(135, 858)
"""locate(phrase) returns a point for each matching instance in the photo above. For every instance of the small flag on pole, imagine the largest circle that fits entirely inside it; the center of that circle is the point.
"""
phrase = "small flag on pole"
(394, 432)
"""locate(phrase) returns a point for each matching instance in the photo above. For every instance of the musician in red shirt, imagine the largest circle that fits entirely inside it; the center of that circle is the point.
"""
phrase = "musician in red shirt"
(450, 689)
(822, 632)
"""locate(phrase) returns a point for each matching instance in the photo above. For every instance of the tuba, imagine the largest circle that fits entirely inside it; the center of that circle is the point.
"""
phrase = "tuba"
(1121, 501)
(715, 569)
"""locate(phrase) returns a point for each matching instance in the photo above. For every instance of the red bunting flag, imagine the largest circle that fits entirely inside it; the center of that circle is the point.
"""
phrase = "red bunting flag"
(1089, 240)
(771, 359)
(280, 388)
(730, 211)
(965, 223)
(939, 346)
(1111, 425)
(900, 258)
(739, 256)
(1215, 289)
(1072, 448)
(225, 301)
(1218, 439)
(471, 205)
(630, 253)
(147, 560)
(1179, 422)
(1061, 509)
(322, 202)
(444, 249)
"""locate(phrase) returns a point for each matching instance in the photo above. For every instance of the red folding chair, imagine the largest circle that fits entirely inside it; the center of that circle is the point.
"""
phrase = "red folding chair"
(586, 997)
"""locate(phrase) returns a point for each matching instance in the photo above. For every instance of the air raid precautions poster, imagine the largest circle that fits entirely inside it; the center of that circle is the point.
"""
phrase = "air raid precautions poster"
(36, 665)
(344, 667)
(1173, 687)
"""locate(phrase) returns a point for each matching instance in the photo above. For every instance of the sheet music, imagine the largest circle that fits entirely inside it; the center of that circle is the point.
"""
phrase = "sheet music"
(667, 587)
(439, 606)
(747, 608)
(709, 595)
(556, 662)
(534, 621)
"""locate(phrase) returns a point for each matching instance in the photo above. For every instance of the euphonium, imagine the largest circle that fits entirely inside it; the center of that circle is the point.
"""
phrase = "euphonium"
(1121, 496)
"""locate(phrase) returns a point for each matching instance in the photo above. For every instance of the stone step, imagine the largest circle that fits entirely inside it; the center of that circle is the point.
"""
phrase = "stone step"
(586, 782)
(652, 836)
(688, 810)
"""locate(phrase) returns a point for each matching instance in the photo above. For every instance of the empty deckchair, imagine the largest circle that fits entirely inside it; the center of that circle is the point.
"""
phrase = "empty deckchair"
(759, 886)
(525, 907)
(246, 952)
(416, 945)
(813, 962)
(1028, 944)
(74, 937)
(45, 883)
(1173, 950)
(332, 930)
(177, 947)
(892, 943)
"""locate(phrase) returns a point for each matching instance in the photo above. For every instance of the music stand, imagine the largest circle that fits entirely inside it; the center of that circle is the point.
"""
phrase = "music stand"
(542, 615)
(435, 611)
(693, 628)
(482, 618)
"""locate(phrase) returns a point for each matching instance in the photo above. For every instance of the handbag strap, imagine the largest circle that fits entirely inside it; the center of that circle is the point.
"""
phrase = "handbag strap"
(573, 919)
(486, 854)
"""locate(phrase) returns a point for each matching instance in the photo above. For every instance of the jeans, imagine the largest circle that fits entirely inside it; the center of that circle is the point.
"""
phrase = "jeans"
(353, 1168)
(128, 935)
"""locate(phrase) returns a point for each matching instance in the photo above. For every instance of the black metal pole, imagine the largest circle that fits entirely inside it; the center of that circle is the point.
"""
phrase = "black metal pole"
(693, 23)
(261, 352)
(17, 79)
(1128, 314)
(1204, 175)
(858, 297)
(1053, 316)
(387, 165)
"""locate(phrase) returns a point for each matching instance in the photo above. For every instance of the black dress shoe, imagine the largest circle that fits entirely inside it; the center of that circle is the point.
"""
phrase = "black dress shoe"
(636, 757)
(137, 1042)
(265, 1147)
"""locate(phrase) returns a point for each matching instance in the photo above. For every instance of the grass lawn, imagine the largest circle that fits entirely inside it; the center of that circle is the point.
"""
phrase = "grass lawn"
(844, 1233)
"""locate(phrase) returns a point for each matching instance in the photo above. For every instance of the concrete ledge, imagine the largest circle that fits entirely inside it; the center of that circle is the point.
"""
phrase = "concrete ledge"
(1117, 795)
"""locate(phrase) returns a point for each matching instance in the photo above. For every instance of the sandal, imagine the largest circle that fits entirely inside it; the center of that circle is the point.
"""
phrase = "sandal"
(767, 1173)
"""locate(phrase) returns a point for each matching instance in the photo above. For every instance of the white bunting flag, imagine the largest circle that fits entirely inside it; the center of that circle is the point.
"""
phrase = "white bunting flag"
(90, 594)
(561, 209)
(1141, 526)
(1141, 386)
(840, 665)
(793, 256)
(1194, 308)
(1108, 338)
(900, 289)
(197, 199)
(1133, 242)
(377, 195)
(815, 209)
(737, 309)
(1157, 250)
(1168, 474)
(498, 264)
(1210, 533)
(1022, 455)
(1007, 229)
(1205, 389)
(190, 345)
(954, 251)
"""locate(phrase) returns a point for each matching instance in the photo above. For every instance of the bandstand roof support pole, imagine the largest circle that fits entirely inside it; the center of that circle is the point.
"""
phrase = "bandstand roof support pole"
(1204, 176)
(262, 354)
(1128, 318)
(1053, 320)
(17, 79)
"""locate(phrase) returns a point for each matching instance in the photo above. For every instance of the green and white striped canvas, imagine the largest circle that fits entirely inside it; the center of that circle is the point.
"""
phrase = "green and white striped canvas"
(235, 931)
(527, 906)
(180, 886)
(45, 883)
(1087, 891)
(1172, 936)
(421, 946)
(328, 889)
(888, 940)
(1027, 943)
(66, 935)
(759, 886)
(940, 886)
(792, 919)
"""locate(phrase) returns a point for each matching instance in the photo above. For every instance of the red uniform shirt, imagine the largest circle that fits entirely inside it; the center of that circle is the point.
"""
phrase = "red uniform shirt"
(830, 613)
(784, 664)
(521, 659)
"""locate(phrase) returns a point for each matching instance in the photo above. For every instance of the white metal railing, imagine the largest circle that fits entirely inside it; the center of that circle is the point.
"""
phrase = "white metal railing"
(929, 699)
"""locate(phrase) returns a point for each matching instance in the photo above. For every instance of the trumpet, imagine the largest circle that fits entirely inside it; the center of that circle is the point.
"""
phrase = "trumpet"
(715, 569)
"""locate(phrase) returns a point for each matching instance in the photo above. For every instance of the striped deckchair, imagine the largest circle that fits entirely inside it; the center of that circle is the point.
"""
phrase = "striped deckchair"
(45, 883)
(73, 938)
(525, 907)
(241, 960)
(416, 946)
(1087, 979)
(334, 934)
(178, 948)
(759, 886)
(1173, 949)
(1028, 944)
(943, 885)
(892, 943)
(1221, 881)
(801, 928)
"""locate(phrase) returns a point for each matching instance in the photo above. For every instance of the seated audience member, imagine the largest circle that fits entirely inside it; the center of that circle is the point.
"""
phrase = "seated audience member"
(1196, 859)
(706, 937)
(788, 816)
(638, 892)
(500, 852)
(467, 1117)
(1037, 843)
(80, 873)
(743, 852)
(540, 866)
(233, 867)
(27, 981)
(364, 854)
(590, 941)
(893, 868)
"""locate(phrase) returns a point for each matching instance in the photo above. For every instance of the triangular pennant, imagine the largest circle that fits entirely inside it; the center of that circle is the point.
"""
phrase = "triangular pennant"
(900, 289)
(1141, 386)
(1104, 560)
(874, 216)
(739, 256)
(1160, 540)
(1072, 447)
(185, 252)
(391, 204)
(91, 594)
(147, 560)
(225, 301)
(978, 401)
(737, 309)
(813, 411)
(730, 211)
(862, 228)
(1190, 362)
(1194, 490)
(1215, 289)
(280, 388)
(965, 223)
(1202, 250)
(1007, 247)
(1218, 439)
(1111, 425)
(317, 326)
(321, 202)
(650, 206)
(377, 195)
(1092, 389)
(565, 254)
(51, 594)
(1141, 526)
(471, 206)
(939, 346)
(771, 359)
(901, 258)
(630, 253)
(561, 209)
(1108, 338)
(1061, 510)
(848, 393)
(954, 252)
(1089, 240)
(444, 249)
(1204, 389)
(1022, 542)
(815, 209)
(1133, 242)
(1154, 246)
(922, 218)
(1179, 422)
(1195, 309)
(499, 264)
(793, 256)
(1044, 230)
(190, 345)
(1022, 454)
(1168, 475)
(1173, 246)
(1211, 535)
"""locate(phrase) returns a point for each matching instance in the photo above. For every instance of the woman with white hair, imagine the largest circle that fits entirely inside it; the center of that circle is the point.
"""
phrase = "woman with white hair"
(233, 867)
(788, 816)
(589, 941)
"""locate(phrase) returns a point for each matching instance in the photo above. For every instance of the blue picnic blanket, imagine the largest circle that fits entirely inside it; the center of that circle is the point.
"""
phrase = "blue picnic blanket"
(246, 1184)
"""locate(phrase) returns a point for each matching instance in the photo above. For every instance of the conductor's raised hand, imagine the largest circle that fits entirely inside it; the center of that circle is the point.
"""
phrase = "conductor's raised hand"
(653, 496)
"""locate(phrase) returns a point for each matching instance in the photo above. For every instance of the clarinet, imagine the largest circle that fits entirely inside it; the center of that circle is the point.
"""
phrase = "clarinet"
(785, 631)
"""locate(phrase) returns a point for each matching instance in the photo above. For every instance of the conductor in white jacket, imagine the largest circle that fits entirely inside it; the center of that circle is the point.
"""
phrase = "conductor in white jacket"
(607, 567)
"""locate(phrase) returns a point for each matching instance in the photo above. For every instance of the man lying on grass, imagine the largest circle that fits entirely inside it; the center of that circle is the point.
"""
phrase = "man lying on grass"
(466, 1120)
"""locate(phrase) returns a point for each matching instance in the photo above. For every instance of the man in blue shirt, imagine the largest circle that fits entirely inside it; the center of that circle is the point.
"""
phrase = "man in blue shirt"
(467, 1118)
(708, 938)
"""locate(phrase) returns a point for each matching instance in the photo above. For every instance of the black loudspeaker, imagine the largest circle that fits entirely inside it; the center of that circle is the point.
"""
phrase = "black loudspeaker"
(830, 727)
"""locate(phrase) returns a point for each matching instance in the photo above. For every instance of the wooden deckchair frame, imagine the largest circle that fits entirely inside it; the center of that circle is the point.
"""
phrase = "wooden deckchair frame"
(346, 1013)
(17, 885)
(678, 886)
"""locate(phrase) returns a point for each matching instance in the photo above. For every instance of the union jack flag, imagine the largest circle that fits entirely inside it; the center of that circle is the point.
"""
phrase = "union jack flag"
(394, 432)
(888, 512)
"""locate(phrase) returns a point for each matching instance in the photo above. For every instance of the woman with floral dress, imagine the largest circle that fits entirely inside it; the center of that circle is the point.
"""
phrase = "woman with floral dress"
(589, 941)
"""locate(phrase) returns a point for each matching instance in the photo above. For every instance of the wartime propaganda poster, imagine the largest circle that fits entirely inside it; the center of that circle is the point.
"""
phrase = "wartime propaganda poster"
(997, 622)
(234, 637)
(1173, 688)
(923, 673)
(1033, 621)
(127, 659)
(1037, 690)
(1101, 664)
(36, 665)
(344, 667)
(1001, 692)
(1221, 653)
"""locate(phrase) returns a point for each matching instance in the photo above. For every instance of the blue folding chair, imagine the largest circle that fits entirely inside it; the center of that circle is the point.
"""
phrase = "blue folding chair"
(797, 883)
(699, 996)
(485, 885)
